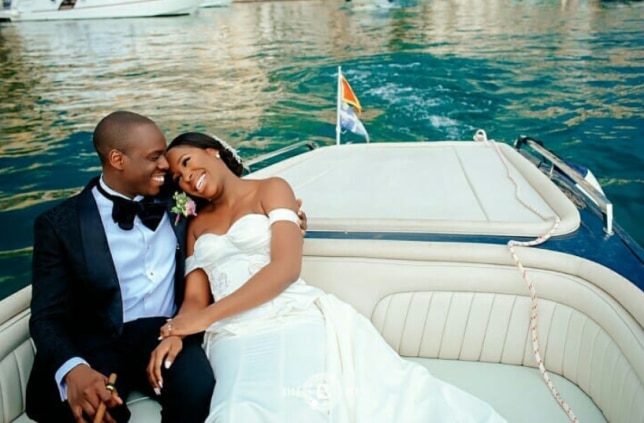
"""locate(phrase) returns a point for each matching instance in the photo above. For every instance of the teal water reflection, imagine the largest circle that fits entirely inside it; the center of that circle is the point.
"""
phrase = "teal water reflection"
(262, 75)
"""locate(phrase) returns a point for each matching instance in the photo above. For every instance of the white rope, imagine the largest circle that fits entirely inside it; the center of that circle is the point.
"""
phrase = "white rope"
(482, 137)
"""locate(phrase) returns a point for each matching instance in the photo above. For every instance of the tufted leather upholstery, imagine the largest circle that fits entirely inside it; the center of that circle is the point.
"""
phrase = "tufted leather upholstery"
(464, 311)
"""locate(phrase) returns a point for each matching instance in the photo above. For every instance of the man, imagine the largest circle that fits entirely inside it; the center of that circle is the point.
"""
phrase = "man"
(107, 273)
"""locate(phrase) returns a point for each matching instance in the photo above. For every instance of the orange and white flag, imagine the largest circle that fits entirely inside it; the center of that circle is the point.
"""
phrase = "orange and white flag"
(348, 96)
(349, 109)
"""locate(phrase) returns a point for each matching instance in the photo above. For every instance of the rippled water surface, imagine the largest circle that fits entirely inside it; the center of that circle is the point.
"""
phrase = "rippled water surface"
(570, 73)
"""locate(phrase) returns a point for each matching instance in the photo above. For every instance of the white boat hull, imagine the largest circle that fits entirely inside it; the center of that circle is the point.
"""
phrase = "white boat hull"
(37, 10)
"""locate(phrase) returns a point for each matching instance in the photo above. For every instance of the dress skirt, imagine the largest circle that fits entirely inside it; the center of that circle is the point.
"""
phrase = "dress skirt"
(326, 363)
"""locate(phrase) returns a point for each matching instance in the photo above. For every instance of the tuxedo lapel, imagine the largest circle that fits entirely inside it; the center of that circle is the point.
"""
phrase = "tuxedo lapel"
(179, 228)
(100, 265)
(177, 221)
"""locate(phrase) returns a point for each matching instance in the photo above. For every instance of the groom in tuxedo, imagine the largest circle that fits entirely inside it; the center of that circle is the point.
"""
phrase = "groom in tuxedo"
(108, 270)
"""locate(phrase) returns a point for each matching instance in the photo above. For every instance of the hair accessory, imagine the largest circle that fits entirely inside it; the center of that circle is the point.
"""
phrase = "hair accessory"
(228, 148)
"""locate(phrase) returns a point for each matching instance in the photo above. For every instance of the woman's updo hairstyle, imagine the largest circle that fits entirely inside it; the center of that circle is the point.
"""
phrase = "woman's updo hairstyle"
(203, 141)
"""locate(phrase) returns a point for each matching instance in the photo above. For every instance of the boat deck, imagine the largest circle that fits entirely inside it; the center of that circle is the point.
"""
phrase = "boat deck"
(448, 191)
(438, 187)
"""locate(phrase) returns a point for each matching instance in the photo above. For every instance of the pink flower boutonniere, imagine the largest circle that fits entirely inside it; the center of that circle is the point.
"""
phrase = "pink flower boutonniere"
(183, 205)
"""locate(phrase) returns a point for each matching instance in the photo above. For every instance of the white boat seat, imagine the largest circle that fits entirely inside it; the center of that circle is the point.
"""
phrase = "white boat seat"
(463, 312)
(460, 307)
(517, 392)
(17, 356)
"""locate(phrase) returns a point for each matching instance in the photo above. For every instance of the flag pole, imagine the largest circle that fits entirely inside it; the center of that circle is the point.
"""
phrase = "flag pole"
(338, 105)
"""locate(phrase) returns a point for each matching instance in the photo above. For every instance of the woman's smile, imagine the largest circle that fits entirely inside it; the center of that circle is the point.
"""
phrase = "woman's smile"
(200, 183)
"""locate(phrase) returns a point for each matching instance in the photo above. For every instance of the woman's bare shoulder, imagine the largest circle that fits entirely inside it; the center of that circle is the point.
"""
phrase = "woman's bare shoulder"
(275, 183)
(276, 192)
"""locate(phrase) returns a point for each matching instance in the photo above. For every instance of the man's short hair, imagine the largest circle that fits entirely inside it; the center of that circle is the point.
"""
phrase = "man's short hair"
(113, 132)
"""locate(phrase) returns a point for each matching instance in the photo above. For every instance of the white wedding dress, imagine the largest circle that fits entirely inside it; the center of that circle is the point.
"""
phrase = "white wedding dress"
(306, 356)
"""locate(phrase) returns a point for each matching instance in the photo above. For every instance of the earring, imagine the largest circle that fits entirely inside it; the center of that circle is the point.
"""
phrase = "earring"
(218, 156)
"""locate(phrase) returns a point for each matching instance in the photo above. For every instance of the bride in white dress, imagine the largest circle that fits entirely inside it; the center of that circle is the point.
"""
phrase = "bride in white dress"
(281, 350)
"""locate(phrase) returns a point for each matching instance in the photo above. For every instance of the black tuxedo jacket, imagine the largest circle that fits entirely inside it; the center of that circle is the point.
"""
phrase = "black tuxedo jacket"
(76, 304)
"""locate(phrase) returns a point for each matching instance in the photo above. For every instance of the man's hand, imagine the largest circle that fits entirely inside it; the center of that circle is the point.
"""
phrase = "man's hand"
(164, 354)
(302, 216)
(86, 390)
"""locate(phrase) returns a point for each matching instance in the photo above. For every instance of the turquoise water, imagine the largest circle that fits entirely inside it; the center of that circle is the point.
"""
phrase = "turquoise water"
(262, 75)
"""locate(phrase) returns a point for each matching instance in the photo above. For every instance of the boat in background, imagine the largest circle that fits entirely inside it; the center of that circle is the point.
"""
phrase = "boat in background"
(383, 4)
(215, 3)
(38, 10)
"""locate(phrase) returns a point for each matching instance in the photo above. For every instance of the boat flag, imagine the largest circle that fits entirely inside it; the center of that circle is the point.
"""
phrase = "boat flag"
(349, 109)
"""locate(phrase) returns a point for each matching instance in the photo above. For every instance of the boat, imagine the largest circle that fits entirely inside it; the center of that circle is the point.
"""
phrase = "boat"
(38, 10)
(497, 266)
(215, 3)
(382, 4)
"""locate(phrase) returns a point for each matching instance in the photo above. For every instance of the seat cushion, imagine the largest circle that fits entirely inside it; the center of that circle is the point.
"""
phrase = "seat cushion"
(518, 393)
(143, 409)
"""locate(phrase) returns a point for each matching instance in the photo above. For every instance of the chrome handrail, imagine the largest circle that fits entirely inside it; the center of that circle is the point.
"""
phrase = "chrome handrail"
(605, 205)
(252, 162)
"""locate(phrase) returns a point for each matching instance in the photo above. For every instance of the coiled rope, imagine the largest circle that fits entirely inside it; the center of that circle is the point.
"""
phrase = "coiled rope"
(482, 137)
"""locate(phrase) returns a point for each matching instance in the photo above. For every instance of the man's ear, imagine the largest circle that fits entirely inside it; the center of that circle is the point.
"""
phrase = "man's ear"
(116, 159)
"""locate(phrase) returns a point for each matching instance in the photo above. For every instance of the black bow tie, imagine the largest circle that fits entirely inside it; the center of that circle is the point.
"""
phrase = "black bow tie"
(124, 210)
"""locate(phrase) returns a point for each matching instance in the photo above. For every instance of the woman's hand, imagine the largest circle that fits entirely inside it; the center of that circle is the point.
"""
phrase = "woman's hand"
(164, 353)
(187, 324)
(302, 216)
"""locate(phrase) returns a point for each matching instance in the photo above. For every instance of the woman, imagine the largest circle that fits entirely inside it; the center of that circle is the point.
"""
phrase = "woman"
(281, 350)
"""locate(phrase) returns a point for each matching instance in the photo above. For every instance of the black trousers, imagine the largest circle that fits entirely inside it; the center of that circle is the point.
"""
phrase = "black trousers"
(187, 385)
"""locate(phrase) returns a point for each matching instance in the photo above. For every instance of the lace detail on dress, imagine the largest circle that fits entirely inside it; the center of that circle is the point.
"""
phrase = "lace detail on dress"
(219, 284)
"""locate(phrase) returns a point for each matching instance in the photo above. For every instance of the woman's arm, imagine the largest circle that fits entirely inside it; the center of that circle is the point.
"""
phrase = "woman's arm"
(283, 269)
(196, 297)
(197, 292)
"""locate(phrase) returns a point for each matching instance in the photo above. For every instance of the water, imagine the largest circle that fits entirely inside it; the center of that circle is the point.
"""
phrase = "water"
(262, 75)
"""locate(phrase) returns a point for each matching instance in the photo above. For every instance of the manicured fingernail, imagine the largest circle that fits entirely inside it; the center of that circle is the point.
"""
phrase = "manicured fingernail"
(168, 363)
(160, 338)
(157, 391)
(161, 384)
